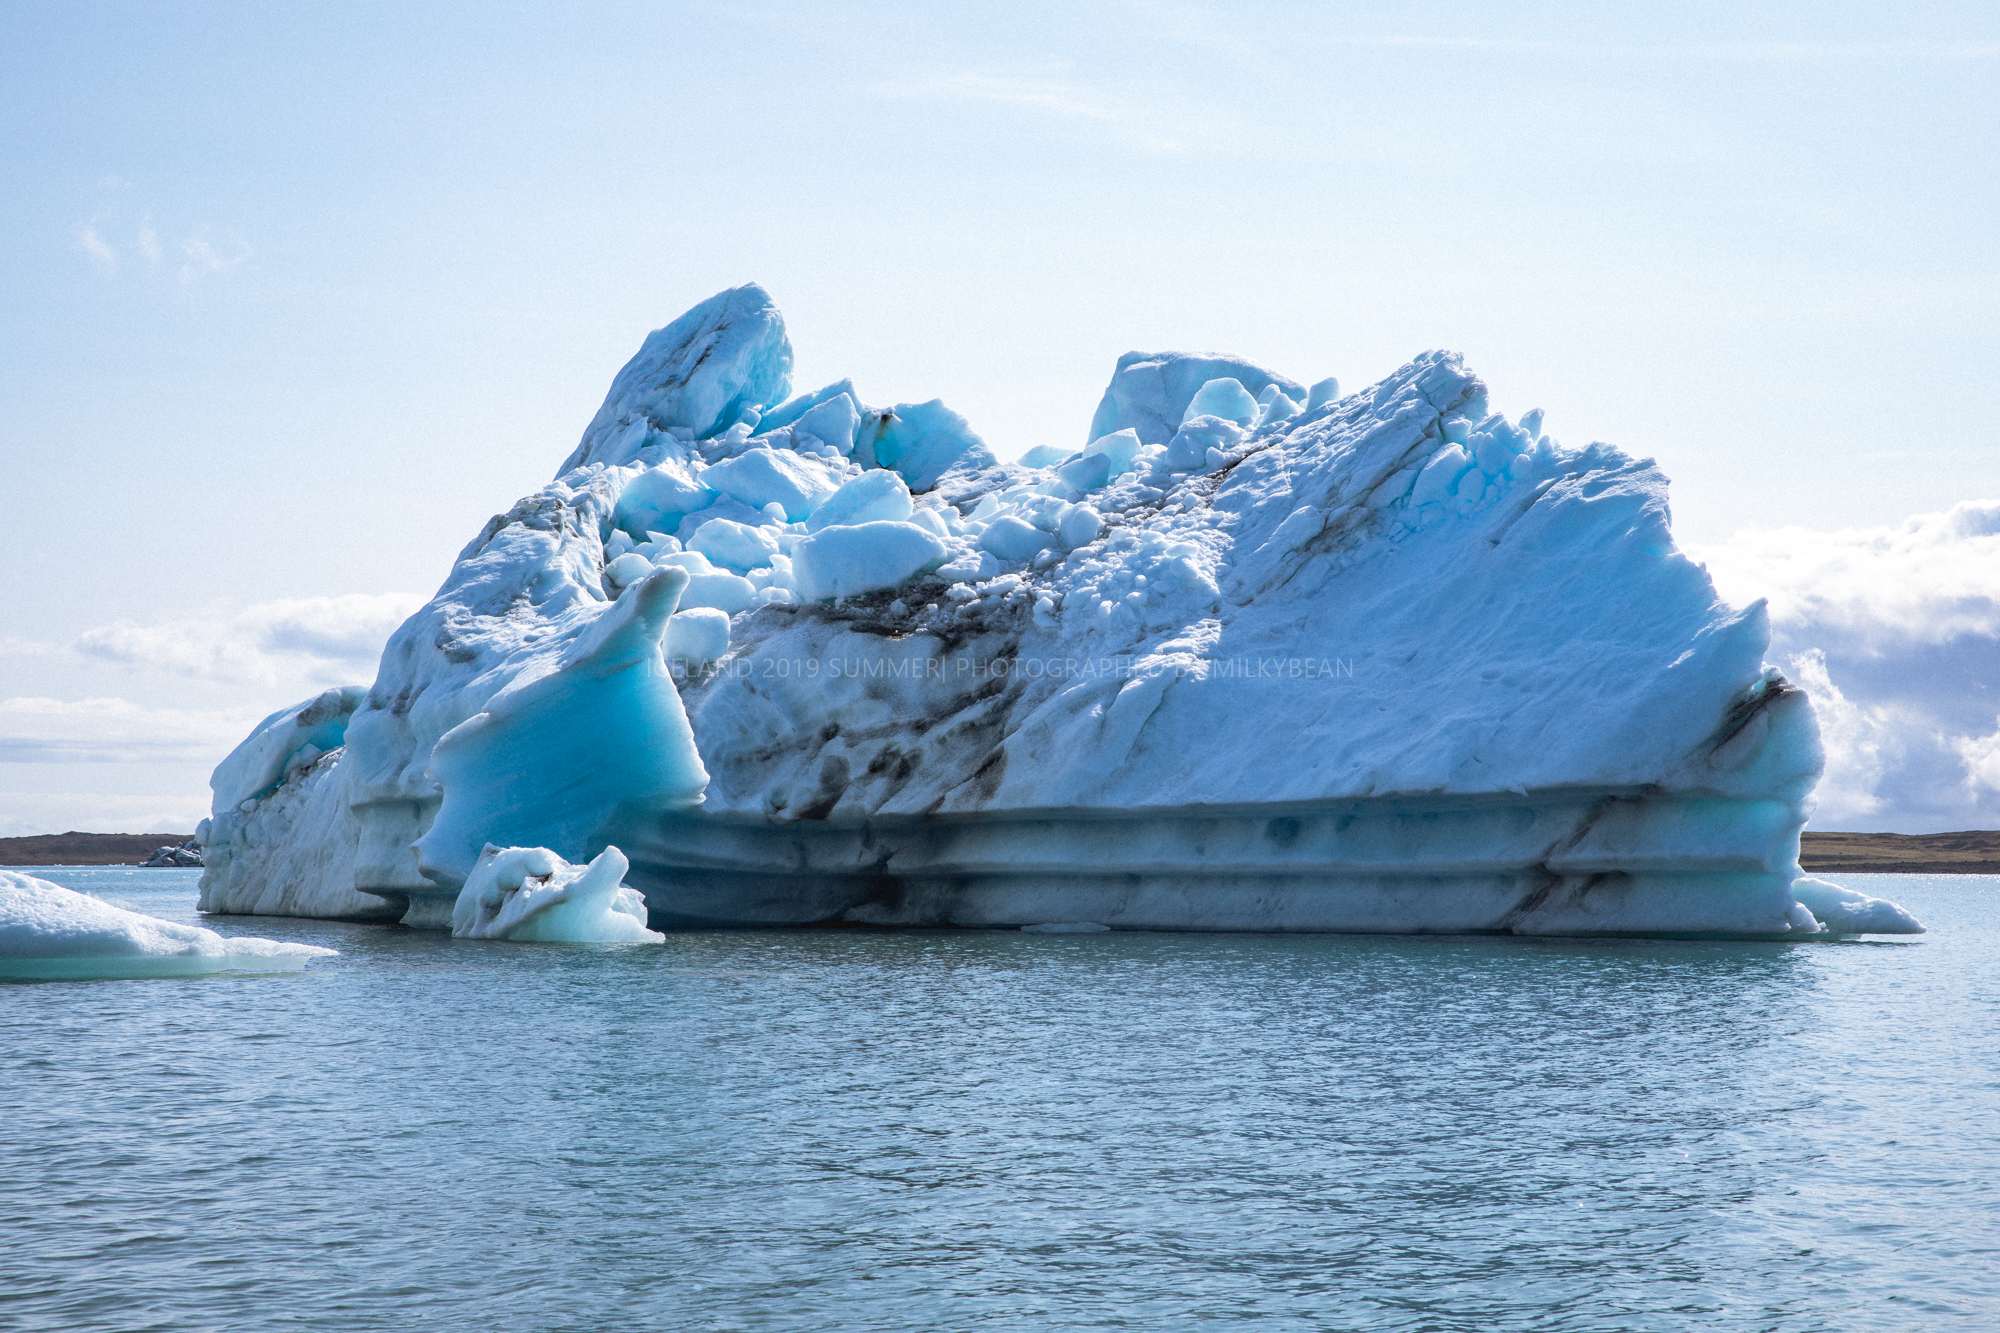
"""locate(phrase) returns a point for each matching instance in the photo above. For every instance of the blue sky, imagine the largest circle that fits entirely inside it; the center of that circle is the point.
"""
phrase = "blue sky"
(291, 299)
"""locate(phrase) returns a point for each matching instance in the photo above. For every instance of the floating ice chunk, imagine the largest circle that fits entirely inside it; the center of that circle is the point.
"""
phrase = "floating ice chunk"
(694, 562)
(1086, 472)
(1080, 527)
(50, 933)
(793, 409)
(1107, 459)
(833, 422)
(700, 372)
(530, 893)
(876, 494)
(736, 545)
(628, 568)
(697, 636)
(1043, 455)
(547, 761)
(1323, 392)
(1439, 476)
(969, 566)
(922, 441)
(1066, 928)
(765, 476)
(721, 590)
(1844, 911)
(1150, 391)
(1531, 422)
(259, 763)
(1274, 406)
(1190, 445)
(659, 498)
(1011, 538)
(725, 507)
(1223, 398)
(849, 560)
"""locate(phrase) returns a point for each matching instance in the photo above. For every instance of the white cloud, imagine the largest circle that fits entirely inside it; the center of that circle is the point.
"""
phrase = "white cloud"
(1982, 758)
(323, 640)
(1153, 126)
(103, 255)
(26, 814)
(202, 253)
(114, 731)
(1934, 577)
(1895, 632)
(201, 256)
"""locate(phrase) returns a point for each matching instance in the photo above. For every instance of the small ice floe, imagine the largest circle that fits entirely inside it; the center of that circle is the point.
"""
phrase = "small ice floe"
(530, 893)
(1842, 911)
(1065, 928)
(50, 933)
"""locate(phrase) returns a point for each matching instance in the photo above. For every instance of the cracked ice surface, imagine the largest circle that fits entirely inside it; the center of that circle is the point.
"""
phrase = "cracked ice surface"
(1252, 656)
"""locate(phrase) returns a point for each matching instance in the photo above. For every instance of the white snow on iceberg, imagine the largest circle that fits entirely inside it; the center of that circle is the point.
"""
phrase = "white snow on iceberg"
(1253, 656)
(50, 933)
(530, 893)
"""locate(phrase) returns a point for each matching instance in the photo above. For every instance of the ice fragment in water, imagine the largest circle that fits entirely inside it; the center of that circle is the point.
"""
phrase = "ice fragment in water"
(50, 933)
(530, 893)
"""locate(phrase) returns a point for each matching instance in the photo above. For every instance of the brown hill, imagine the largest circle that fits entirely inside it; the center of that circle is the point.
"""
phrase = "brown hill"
(1974, 852)
(85, 849)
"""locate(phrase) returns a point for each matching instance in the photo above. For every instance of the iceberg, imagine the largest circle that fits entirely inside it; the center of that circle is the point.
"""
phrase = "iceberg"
(49, 933)
(1251, 656)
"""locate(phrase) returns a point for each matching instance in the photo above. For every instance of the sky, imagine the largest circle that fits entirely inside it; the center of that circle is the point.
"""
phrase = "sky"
(292, 299)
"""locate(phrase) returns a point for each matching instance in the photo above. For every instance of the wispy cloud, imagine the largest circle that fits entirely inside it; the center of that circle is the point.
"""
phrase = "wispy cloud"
(202, 256)
(1748, 52)
(112, 730)
(1056, 97)
(324, 640)
(29, 813)
(103, 255)
(201, 253)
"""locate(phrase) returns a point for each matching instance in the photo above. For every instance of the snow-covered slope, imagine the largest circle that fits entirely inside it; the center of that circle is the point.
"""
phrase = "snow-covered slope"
(1254, 656)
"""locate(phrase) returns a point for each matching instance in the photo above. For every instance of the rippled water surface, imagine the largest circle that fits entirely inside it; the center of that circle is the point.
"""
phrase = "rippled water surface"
(981, 1130)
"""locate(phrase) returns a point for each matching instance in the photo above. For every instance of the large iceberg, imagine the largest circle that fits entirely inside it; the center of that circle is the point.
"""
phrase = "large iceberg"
(50, 933)
(1255, 656)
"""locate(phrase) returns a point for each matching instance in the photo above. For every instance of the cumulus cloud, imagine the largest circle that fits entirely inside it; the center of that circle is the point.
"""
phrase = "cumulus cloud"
(325, 640)
(1895, 631)
(1933, 578)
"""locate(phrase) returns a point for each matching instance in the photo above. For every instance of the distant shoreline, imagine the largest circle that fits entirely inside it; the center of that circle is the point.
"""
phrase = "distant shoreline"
(85, 849)
(1974, 852)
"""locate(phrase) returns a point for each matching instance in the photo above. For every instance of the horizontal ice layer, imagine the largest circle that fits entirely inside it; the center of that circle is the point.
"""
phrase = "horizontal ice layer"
(49, 933)
(530, 893)
(1252, 656)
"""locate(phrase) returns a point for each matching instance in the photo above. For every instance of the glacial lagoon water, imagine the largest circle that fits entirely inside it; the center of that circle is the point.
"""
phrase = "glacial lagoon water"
(980, 1130)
